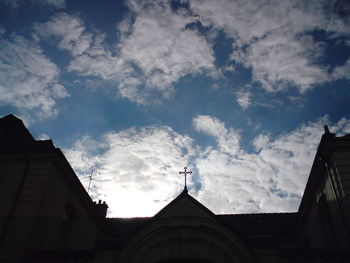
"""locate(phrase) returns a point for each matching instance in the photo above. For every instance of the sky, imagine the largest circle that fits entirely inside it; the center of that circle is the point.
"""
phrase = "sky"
(237, 91)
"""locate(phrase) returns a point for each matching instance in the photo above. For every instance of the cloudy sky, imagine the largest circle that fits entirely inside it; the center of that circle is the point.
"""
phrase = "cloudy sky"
(238, 91)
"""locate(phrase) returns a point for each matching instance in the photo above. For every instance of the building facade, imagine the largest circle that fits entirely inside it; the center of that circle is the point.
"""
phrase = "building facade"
(47, 216)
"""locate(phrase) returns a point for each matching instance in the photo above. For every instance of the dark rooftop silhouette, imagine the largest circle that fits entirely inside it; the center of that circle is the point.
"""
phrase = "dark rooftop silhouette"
(15, 137)
(43, 190)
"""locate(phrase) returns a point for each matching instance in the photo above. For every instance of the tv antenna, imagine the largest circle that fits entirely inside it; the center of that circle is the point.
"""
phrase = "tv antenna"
(93, 171)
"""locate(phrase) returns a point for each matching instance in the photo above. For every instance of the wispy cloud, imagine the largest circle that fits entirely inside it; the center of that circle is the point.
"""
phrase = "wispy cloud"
(29, 80)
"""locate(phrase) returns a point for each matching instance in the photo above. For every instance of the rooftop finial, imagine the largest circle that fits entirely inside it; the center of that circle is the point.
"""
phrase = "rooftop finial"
(185, 173)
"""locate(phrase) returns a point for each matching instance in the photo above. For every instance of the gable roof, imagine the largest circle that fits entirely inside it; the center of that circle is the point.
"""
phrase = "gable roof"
(185, 205)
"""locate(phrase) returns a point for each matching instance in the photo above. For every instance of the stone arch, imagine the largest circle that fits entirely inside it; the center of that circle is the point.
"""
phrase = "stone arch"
(185, 239)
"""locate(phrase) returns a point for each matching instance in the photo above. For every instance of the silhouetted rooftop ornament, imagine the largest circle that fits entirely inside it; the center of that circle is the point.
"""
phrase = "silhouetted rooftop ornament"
(185, 173)
(93, 170)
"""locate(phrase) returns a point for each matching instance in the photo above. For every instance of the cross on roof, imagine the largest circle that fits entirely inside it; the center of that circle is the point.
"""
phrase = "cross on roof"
(185, 173)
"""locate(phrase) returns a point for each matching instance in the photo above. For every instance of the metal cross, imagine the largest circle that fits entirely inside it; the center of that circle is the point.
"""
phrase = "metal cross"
(185, 173)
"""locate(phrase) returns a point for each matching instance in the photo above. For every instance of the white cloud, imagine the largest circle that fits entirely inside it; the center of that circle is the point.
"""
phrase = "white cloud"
(271, 180)
(155, 50)
(160, 43)
(279, 61)
(141, 166)
(157, 47)
(137, 165)
(91, 55)
(228, 139)
(68, 30)
(243, 98)
(29, 78)
(342, 127)
(98, 60)
(272, 37)
(58, 91)
(261, 141)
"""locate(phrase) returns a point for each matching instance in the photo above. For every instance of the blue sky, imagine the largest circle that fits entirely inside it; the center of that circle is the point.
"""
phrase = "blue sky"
(238, 91)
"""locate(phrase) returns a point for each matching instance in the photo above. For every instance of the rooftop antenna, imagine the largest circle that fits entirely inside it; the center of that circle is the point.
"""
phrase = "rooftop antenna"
(93, 171)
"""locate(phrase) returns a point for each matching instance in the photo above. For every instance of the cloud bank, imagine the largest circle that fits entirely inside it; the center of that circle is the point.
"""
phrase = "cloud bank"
(141, 166)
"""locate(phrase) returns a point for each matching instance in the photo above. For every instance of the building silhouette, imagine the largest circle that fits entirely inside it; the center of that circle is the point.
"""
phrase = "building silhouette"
(47, 216)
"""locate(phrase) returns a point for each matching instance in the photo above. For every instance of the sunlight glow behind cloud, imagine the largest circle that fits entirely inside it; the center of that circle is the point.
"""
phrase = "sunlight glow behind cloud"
(136, 165)
(140, 167)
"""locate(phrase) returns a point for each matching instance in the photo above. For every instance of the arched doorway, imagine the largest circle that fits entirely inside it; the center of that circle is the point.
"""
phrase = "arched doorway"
(186, 232)
(185, 240)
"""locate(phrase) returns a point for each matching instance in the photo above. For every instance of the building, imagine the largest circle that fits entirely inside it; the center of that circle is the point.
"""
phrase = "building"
(47, 216)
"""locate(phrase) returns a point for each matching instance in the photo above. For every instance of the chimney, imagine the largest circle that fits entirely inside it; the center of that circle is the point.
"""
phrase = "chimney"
(101, 209)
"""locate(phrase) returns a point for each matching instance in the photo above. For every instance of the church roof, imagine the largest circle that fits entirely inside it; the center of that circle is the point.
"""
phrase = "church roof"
(251, 227)
(185, 205)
